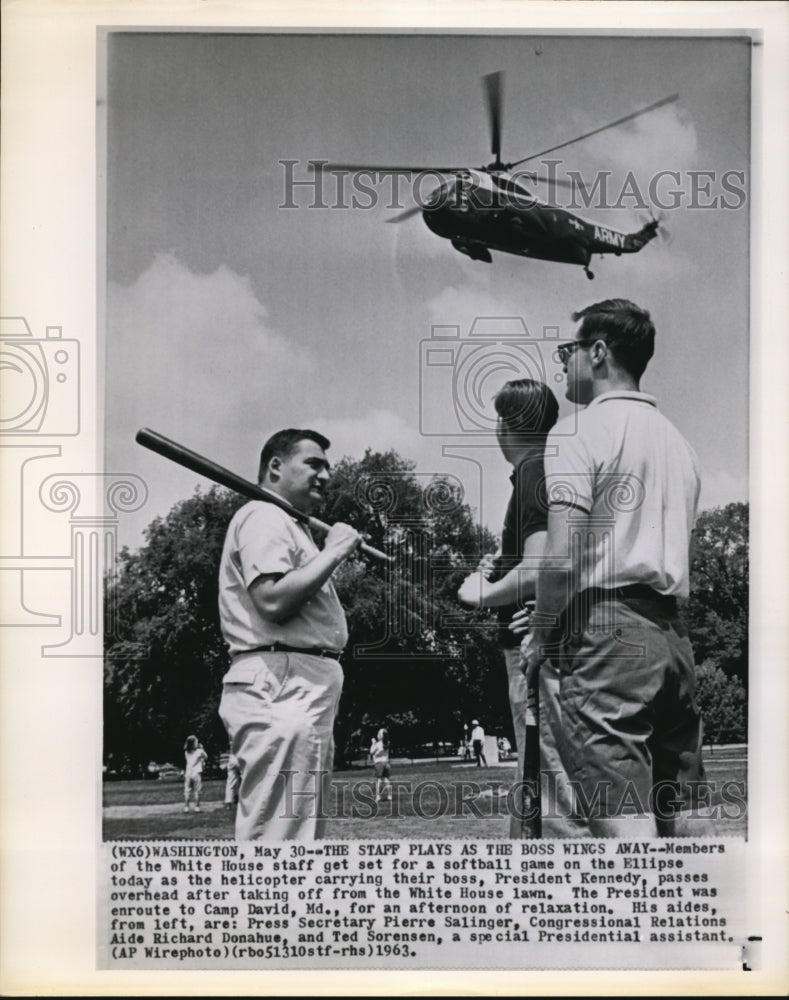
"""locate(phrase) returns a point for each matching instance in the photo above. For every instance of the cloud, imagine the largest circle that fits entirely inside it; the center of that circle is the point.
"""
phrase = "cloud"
(462, 304)
(664, 139)
(212, 317)
(640, 163)
(380, 430)
(194, 357)
(176, 340)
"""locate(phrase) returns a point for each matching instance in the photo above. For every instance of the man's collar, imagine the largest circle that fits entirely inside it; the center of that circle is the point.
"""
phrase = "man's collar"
(638, 397)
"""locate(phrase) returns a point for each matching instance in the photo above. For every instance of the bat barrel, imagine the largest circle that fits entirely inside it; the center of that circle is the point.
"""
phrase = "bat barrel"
(205, 467)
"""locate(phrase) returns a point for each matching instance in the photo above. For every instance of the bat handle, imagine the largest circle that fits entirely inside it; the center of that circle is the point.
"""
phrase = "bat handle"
(369, 550)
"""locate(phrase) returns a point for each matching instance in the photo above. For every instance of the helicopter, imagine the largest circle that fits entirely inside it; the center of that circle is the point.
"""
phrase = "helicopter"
(479, 209)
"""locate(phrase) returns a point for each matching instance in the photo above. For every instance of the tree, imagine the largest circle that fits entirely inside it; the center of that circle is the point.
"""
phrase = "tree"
(722, 703)
(164, 653)
(717, 609)
(416, 661)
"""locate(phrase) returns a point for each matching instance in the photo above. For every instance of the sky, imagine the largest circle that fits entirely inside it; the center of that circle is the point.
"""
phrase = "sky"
(229, 316)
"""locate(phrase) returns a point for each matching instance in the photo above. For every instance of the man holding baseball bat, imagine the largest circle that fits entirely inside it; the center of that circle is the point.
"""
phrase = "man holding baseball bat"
(285, 629)
(526, 411)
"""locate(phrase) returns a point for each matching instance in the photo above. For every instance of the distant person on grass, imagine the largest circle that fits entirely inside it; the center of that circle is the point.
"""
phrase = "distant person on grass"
(379, 753)
(478, 743)
(193, 772)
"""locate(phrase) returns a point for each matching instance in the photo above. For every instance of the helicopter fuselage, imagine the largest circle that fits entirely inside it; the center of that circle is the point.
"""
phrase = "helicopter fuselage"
(527, 227)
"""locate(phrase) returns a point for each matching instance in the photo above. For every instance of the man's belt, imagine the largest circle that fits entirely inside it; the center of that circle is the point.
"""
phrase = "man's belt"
(632, 592)
(651, 605)
(281, 647)
(641, 592)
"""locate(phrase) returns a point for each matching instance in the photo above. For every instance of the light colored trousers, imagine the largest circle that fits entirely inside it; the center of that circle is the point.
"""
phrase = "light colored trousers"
(232, 781)
(279, 711)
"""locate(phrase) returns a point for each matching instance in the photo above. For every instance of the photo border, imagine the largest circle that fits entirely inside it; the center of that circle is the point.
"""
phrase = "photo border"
(49, 835)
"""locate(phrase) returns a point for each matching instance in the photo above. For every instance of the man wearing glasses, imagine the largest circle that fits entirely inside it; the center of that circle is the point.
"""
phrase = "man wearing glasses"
(620, 731)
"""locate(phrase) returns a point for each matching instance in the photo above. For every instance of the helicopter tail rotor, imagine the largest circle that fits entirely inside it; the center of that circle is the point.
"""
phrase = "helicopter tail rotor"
(663, 235)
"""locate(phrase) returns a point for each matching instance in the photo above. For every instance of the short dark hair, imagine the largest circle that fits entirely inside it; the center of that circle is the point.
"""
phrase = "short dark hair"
(626, 328)
(283, 444)
(526, 406)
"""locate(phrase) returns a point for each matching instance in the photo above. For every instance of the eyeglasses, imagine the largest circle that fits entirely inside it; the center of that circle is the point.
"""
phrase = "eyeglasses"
(565, 351)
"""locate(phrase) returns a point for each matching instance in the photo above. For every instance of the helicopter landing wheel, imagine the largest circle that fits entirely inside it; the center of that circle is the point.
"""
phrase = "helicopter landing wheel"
(588, 274)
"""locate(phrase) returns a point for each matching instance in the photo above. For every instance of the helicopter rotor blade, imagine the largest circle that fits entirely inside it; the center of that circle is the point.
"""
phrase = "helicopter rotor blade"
(407, 214)
(494, 94)
(370, 168)
(596, 131)
(318, 166)
(560, 182)
(423, 204)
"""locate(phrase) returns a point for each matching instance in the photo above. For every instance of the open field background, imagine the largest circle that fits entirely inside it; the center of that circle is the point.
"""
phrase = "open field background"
(431, 800)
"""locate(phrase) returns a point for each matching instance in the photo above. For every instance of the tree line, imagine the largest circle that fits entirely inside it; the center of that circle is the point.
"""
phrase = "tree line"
(416, 660)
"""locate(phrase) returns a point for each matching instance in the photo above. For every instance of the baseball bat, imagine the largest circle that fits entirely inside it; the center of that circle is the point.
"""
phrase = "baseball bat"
(531, 806)
(205, 467)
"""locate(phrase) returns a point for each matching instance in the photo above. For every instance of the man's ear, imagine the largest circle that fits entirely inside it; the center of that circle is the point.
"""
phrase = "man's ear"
(598, 353)
(274, 465)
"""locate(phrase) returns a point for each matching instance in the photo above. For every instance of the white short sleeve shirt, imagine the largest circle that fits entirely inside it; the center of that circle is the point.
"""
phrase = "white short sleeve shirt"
(624, 464)
(264, 539)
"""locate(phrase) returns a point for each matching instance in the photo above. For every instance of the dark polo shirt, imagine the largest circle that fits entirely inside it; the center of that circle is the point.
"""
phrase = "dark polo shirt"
(527, 512)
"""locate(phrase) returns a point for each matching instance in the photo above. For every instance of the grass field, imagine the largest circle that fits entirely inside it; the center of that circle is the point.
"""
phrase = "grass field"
(448, 800)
